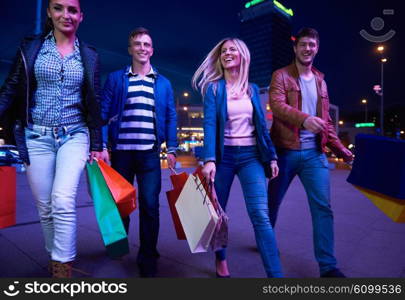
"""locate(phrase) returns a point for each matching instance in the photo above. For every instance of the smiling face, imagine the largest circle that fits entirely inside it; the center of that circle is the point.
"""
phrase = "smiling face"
(306, 50)
(65, 15)
(140, 48)
(230, 55)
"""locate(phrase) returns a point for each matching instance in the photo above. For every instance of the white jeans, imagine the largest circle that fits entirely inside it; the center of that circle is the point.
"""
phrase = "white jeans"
(57, 158)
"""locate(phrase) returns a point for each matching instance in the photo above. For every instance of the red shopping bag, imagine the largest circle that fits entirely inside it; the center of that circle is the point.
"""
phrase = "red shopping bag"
(123, 192)
(7, 196)
(178, 181)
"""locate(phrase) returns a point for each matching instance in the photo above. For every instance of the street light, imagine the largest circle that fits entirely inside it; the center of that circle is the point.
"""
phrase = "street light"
(383, 60)
(341, 122)
(185, 108)
(184, 95)
(364, 101)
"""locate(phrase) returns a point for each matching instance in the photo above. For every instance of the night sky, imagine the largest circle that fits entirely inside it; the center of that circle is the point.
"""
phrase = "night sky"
(184, 31)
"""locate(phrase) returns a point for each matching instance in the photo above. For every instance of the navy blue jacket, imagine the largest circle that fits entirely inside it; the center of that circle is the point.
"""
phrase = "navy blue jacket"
(114, 98)
(215, 116)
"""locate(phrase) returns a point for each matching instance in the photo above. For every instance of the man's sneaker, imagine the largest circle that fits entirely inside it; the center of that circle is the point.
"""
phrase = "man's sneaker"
(335, 273)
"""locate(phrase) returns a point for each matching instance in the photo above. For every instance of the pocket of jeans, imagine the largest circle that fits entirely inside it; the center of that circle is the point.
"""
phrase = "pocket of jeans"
(83, 130)
(151, 161)
(31, 134)
(324, 160)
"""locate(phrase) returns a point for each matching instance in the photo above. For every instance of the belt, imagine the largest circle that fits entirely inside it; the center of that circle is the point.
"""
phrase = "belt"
(56, 130)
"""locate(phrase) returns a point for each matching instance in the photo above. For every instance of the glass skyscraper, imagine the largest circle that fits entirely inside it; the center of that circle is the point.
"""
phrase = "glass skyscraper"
(266, 29)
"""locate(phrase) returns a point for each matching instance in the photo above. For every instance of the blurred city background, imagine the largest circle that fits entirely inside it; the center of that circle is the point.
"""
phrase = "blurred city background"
(361, 75)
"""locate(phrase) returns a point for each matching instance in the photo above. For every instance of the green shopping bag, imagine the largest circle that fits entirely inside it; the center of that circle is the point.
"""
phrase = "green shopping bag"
(107, 214)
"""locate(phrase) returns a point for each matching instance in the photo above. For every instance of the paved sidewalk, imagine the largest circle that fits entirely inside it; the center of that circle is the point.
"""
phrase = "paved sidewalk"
(368, 244)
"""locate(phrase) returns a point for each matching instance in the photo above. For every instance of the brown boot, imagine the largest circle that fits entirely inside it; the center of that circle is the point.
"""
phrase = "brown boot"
(50, 267)
(62, 270)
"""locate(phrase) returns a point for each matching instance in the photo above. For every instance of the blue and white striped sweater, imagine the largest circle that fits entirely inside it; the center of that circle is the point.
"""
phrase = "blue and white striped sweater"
(137, 131)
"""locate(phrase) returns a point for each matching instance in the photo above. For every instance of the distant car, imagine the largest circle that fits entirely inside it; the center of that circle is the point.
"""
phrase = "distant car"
(181, 149)
(9, 155)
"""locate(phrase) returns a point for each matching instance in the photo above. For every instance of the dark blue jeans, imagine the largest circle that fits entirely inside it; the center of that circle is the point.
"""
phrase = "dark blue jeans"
(311, 166)
(244, 162)
(145, 165)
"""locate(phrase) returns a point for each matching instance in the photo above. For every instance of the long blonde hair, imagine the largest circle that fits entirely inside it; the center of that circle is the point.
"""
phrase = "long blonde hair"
(211, 69)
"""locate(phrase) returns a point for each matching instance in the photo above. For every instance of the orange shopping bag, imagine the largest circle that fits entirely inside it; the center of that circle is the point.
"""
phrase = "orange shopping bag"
(123, 192)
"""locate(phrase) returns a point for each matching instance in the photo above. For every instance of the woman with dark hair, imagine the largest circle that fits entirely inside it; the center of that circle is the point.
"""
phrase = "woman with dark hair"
(53, 86)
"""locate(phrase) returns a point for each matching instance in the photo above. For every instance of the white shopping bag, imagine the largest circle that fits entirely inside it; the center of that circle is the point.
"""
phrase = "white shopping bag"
(197, 215)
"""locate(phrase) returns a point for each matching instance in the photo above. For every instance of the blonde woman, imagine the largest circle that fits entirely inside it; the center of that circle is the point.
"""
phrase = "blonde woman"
(237, 142)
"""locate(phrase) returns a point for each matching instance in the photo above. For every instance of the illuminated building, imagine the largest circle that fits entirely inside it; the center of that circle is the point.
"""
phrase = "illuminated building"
(190, 131)
(266, 29)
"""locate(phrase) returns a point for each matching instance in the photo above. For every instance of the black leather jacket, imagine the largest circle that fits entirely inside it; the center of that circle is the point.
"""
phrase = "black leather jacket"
(17, 92)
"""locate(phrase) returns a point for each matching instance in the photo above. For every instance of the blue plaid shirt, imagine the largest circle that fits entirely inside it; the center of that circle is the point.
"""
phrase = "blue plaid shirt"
(58, 97)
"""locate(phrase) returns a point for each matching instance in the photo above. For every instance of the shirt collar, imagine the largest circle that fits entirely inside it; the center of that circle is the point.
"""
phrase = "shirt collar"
(51, 38)
(152, 72)
(49, 35)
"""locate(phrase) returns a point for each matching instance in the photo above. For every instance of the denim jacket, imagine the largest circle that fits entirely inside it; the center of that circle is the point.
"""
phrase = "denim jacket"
(114, 98)
(215, 116)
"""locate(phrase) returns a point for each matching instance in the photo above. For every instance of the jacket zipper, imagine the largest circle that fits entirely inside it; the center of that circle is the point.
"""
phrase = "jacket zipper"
(28, 81)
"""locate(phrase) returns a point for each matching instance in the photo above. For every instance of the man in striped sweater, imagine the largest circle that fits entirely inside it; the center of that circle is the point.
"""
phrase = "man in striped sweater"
(139, 106)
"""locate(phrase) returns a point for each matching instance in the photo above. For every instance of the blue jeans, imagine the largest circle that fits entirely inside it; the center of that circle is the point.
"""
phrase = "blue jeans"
(244, 162)
(58, 156)
(311, 166)
(146, 166)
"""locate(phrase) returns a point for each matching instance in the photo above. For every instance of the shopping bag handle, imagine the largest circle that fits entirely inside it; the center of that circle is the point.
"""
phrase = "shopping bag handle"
(203, 183)
(215, 201)
(94, 159)
(173, 171)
